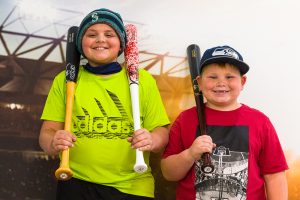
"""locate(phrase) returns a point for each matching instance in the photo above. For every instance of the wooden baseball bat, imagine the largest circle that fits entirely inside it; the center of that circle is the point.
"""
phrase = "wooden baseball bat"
(132, 60)
(72, 65)
(194, 56)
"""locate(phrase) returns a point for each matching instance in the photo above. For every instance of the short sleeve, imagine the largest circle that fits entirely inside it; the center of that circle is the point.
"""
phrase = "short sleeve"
(272, 157)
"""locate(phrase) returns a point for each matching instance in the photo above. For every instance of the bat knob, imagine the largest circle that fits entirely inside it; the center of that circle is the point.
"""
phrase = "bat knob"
(207, 169)
(63, 174)
(140, 168)
(140, 165)
(207, 166)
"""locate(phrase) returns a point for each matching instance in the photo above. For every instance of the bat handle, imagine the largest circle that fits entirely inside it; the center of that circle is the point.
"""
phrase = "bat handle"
(64, 172)
(140, 165)
(207, 167)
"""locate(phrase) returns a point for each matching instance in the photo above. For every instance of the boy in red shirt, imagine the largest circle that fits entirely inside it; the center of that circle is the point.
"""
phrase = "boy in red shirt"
(248, 159)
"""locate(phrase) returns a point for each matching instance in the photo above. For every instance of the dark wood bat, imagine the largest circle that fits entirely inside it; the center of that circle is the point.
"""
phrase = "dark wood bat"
(194, 56)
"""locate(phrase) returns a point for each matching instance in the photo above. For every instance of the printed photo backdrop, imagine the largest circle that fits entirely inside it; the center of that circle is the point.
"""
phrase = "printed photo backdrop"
(32, 52)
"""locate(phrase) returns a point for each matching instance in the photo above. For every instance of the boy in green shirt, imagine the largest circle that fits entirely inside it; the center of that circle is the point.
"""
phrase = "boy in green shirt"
(102, 141)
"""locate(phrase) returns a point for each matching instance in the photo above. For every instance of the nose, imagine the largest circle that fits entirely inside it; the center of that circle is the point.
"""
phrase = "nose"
(100, 38)
(220, 82)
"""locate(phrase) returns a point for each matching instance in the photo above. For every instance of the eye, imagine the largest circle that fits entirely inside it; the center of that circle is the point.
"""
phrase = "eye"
(110, 34)
(90, 34)
(230, 77)
(212, 77)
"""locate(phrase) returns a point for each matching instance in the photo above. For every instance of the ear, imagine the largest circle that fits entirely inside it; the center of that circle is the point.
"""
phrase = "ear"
(243, 81)
(199, 81)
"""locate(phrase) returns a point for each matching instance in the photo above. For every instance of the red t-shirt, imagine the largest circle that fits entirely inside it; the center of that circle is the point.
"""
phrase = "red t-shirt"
(247, 148)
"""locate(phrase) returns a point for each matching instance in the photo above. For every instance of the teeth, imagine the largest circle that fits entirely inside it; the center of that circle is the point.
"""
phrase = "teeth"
(99, 48)
(223, 91)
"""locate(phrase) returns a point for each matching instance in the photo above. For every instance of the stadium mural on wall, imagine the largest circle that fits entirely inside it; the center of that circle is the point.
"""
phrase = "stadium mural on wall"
(32, 52)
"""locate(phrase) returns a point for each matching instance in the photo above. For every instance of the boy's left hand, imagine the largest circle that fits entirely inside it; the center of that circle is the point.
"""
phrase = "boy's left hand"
(142, 140)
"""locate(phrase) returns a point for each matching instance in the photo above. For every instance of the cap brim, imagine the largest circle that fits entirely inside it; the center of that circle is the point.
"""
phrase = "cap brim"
(243, 67)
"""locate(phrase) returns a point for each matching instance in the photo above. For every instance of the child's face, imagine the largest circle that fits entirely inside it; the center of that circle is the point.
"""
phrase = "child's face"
(221, 85)
(100, 44)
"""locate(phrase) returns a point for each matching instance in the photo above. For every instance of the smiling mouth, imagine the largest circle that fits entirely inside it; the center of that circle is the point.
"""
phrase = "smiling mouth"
(100, 48)
(220, 91)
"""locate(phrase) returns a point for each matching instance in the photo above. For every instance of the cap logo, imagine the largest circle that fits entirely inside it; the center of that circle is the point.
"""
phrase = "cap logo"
(94, 17)
(225, 52)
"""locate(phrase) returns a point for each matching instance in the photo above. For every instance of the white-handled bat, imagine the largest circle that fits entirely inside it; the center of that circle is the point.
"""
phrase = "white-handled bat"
(132, 60)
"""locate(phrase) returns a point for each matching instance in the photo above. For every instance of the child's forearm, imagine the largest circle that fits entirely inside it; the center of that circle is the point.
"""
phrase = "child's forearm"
(176, 167)
(276, 186)
(45, 140)
(47, 133)
(160, 138)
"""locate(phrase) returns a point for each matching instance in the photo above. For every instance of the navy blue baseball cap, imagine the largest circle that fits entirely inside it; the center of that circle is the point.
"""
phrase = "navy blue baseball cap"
(224, 54)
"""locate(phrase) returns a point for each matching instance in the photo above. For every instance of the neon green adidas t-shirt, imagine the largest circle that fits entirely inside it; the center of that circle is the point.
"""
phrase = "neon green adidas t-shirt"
(102, 121)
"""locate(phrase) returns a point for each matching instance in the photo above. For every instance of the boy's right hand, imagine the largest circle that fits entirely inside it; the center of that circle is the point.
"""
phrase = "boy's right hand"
(202, 144)
(62, 140)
